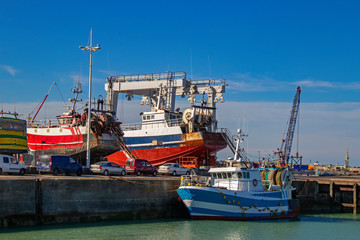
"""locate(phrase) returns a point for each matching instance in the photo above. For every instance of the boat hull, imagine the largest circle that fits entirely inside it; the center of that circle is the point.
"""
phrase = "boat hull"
(70, 141)
(205, 203)
(159, 149)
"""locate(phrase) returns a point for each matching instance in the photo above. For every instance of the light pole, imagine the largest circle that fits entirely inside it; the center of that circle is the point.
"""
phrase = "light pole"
(91, 49)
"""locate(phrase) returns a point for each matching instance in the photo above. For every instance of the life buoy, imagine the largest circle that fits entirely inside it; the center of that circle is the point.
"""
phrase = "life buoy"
(255, 182)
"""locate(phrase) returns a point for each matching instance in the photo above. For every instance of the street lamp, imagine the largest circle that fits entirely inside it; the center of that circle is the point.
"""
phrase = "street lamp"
(91, 49)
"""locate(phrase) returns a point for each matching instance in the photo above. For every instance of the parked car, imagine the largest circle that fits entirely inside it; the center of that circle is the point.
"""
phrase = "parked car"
(107, 168)
(10, 165)
(173, 169)
(140, 166)
(56, 164)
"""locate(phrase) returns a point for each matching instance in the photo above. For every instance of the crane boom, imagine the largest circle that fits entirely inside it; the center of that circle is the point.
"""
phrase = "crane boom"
(291, 128)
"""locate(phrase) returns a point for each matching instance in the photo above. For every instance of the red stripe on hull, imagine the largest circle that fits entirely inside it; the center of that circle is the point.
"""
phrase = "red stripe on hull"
(38, 142)
(159, 156)
(289, 215)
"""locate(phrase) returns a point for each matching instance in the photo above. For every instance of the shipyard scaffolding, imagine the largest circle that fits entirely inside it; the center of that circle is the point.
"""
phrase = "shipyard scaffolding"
(159, 91)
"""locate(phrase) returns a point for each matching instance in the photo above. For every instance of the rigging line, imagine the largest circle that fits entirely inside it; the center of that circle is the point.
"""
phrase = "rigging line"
(60, 93)
(36, 107)
(297, 134)
(209, 67)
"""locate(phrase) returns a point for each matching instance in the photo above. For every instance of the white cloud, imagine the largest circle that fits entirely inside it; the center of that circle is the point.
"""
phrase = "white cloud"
(9, 69)
(326, 129)
(326, 84)
(246, 82)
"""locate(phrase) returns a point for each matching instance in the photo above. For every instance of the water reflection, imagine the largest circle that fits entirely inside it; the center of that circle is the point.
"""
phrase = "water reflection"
(308, 227)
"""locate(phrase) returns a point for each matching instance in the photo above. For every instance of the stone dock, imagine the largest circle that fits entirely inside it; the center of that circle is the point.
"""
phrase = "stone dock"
(37, 199)
(29, 200)
(328, 194)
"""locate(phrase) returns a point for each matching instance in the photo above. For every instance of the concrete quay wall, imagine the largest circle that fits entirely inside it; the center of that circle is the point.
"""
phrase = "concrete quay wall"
(47, 201)
(328, 195)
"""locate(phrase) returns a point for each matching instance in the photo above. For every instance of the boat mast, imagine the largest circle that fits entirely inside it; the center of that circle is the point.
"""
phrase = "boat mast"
(33, 119)
(91, 49)
(76, 90)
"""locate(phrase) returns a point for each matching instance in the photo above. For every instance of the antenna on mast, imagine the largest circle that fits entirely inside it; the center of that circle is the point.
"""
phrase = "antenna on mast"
(191, 70)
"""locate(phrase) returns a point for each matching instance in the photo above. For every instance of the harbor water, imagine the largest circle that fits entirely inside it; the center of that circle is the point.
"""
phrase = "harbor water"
(334, 226)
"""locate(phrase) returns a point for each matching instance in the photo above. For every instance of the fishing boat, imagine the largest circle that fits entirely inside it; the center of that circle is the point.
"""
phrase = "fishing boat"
(12, 134)
(235, 193)
(238, 192)
(165, 134)
(68, 134)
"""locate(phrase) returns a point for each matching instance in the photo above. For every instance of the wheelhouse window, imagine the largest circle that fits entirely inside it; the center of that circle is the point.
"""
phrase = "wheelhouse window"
(7, 125)
(239, 174)
(19, 126)
(245, 175)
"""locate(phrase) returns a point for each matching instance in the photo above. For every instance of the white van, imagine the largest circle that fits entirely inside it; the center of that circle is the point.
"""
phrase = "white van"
(10, 165)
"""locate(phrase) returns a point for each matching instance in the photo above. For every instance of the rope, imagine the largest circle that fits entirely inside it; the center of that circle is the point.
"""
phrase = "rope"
(60, 93)
(303, 187)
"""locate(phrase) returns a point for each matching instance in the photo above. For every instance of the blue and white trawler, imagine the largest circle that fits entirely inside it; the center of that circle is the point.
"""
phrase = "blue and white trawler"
(234, 193)
(239, 193)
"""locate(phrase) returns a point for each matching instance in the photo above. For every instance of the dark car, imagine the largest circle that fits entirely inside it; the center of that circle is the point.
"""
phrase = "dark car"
(140, 166)
(56, 164)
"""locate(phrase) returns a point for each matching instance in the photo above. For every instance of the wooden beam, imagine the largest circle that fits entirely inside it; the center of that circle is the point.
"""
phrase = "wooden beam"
(347, 205)
(345, 189)
(332, 189)
(355, 198)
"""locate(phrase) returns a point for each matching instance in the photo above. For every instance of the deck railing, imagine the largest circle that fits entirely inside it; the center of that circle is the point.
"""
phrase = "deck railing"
(152, 124)
(43, 123)
(199, 181)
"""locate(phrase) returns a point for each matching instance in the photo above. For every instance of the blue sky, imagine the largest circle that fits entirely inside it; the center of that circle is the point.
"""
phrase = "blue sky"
(264, 49)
